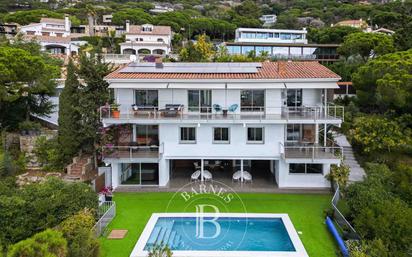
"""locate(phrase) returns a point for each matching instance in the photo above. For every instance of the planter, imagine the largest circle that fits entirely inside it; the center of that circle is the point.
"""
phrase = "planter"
(108, 198)
(116, 114)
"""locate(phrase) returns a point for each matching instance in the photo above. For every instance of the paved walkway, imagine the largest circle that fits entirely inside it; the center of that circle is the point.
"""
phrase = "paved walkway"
(356, 171)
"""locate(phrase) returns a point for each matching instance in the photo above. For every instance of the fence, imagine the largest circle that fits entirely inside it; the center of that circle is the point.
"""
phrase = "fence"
(106, 212)
(341, 221)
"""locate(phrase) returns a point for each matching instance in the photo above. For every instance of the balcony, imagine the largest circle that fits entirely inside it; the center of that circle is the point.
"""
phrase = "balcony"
(331, 114)
(310, 151)
(130, 152)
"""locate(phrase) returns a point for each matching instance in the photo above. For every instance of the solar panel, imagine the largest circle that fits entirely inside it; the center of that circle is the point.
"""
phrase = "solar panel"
(180, 67)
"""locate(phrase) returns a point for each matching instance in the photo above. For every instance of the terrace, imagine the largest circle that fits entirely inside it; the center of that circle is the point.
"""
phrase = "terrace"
(331, 113)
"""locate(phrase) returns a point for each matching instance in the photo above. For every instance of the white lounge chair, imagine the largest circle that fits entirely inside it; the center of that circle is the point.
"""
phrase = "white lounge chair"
(195, 175)
(236, 176)
(247, 177)
(207, 175)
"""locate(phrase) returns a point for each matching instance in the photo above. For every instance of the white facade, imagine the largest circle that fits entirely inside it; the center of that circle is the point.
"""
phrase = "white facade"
(268, 20)
(256, 35)
(274, 118)
(147, 39)
(53, 35)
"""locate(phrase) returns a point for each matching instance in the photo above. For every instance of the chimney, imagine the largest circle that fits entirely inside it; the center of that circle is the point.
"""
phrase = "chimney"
(67, 24)
(127, 26)
(281, 67)
(159, 63)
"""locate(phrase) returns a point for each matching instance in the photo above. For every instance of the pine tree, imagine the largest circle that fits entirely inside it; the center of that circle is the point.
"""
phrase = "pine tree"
(96, 94)
(69, 136)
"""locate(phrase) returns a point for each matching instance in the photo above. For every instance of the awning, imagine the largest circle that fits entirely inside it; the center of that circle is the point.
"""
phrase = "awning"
(139, 85)
(253, 85)
(197, 85)
(312, 85)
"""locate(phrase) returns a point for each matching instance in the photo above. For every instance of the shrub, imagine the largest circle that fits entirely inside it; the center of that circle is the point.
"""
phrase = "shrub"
(339, 174)
(48, 154)
(77, 230)
(160, 251)
(49, 243)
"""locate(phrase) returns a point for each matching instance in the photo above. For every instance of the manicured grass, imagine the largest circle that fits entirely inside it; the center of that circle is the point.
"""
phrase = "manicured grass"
(305, 211)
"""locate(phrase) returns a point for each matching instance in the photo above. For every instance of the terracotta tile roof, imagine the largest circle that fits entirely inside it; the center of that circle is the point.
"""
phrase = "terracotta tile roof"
(52, 20)
(157, 30)
(269, 70)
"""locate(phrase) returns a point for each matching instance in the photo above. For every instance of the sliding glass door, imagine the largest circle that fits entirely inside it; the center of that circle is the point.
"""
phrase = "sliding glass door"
(140, 174)
(200, 100)
(294, 99)
(147, 135)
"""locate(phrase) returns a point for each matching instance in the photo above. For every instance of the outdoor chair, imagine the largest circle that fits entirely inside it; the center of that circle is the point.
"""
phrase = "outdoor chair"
(195, 175)
(232, 108)
(217, 108)
(172, 110)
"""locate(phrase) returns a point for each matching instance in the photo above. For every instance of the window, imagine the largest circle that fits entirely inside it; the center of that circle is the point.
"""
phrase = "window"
(200, 100)
(293, 132)
(294, 97)
(188, 135)
(255, 135)
(221, 135)
(146, 98)
(252, 100)
(305, 168)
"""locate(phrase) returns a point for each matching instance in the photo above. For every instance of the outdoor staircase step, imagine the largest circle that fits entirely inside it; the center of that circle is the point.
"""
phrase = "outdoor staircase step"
(152, 240)
(171, 239)
(176, 243)
(166, 237)
(159, 239)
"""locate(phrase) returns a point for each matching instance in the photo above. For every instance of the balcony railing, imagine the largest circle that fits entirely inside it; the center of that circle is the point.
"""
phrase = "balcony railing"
(310, 151)
(331, 112)
(116, 152)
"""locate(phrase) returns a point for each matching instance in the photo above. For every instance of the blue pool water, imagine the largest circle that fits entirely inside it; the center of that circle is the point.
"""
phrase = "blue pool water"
(223, 234)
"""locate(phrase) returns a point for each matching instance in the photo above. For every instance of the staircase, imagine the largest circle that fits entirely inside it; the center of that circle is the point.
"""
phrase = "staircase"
(81, 169)
(356, 171)
(164, 236)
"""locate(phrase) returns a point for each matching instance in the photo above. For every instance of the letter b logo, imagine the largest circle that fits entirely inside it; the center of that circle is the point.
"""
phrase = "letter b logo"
(210, 223)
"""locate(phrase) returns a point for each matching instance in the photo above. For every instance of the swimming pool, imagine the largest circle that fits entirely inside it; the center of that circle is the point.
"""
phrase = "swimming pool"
(225, 234)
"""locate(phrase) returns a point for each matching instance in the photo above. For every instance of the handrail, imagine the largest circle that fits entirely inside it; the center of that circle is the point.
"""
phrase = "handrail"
(314, 113)
(111, 151)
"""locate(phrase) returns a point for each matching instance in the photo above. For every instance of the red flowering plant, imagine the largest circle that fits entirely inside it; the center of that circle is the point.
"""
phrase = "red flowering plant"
(107, 191)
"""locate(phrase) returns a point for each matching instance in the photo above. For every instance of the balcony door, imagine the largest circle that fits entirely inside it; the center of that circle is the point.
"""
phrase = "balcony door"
(140, 174)
(301, 133)
(200, 100)
(147, 135)
(294, 99)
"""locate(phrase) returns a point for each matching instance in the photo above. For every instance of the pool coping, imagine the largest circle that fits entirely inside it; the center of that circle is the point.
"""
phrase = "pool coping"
(138, 250)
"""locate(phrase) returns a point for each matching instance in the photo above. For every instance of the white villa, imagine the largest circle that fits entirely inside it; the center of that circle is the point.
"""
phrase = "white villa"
(256, 35)
(241, 122)
(147, 39)
(53, 35)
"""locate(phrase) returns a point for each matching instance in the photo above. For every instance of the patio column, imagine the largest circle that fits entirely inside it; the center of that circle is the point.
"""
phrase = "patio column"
(202, 163)
(241, 170)
(134, 133)
(316, 133)
(324, 134)
(325, 96)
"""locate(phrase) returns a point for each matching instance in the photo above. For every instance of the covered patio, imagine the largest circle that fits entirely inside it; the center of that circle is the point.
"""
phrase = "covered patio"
(228, 172)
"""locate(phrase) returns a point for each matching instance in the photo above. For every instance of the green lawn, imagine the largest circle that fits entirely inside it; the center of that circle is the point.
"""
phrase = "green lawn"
(305, 211)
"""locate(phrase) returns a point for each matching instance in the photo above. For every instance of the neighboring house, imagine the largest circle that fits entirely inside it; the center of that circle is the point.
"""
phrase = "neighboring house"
(384, 31)
(53, 35)
(360, 24)
(147, 39)
(161, 9)
(107, 18)
(281, 44)
(268, 20)
(9, 29)
(266, 118)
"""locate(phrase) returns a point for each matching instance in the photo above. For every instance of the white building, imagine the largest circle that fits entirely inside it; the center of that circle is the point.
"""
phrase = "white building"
(256, 35)
(268, 20)
(53, 35)
(268, 119)
(147, 39)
